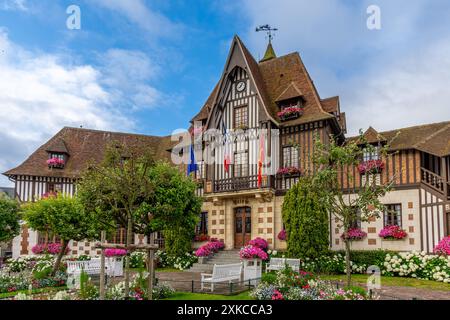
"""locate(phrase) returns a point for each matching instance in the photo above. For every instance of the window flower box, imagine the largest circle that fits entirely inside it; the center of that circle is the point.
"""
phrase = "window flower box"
(354, 234)
(56, 163)
(371, 166)
(289, 171)
(290, 113)
(392, 233)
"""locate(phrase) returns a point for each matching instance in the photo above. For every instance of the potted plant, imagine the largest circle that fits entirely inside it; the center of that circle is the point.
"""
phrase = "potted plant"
(354, 234)
(371, 166)
(252, 257)
(392, 233)
(114, 261)
(55, 163)
(289, 171)
(290, 113)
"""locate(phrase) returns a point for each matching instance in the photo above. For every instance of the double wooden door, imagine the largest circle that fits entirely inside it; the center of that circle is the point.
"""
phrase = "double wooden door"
(242, 226)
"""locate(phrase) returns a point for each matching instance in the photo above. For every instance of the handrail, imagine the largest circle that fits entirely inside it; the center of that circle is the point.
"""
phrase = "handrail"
(432, 180)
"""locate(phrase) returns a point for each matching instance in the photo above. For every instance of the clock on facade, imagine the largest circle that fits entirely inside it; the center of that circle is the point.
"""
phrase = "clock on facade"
(240, 86)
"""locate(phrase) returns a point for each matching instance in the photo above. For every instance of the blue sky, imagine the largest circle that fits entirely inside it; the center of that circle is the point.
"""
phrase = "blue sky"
(148, 66)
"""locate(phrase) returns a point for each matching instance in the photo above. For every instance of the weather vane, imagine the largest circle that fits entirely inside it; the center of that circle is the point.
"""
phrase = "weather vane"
(268, 29)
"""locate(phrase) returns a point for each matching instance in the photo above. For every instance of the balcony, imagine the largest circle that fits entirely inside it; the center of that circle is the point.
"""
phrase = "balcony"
(239, 184)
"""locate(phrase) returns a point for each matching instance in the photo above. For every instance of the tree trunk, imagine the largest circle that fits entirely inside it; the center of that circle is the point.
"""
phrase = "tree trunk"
(102, 267)
(127, 259)
(347, 262)
(64, 245)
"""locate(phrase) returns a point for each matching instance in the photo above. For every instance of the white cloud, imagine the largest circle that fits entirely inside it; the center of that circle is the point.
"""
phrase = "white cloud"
(154, 23)
(13, 5)
(41, 93)
(395, 77)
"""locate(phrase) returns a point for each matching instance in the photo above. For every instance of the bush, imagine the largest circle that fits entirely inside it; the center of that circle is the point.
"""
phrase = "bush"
(443, 247)
(137, 260)
(306, 220)
(182, 262)
(270, 278)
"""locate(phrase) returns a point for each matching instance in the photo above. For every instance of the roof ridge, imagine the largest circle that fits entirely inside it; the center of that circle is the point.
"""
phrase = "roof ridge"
(432, 135)
(114, 132)
(417, 126)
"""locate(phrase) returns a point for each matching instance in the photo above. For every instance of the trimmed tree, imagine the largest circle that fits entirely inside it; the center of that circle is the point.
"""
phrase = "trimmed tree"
(9, 218)
(64, 217)
(306, 220)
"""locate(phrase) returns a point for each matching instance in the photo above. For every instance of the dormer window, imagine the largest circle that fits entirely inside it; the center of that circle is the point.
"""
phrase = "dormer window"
(371, 154)
(290, 109)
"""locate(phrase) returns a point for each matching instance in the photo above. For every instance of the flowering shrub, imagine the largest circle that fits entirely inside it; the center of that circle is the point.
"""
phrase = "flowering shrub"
(443, 247)
(50, 248)
(139, 289)
(201, 237)
(251, 252)
(277, 295)
(371, 166)
(55, 162)
(137, 259)
(282, 235)
(115, 252)
(392, 232)
(182, 262)
(354, 234)
(290, 111)
(287, 171)
(259, 243)
(210, 248)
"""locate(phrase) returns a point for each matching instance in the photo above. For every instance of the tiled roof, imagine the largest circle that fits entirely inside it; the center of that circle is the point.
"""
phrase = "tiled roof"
(85, 146)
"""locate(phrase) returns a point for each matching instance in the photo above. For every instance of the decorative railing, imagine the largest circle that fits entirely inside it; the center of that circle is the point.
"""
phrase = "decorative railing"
(432, 180)
(242, 183)
(285, 182)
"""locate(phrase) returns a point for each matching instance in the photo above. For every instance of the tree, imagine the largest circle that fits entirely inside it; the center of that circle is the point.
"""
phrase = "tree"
(333, 161)
(306, 220)
(62, 216)
(9, 218)
(175, 207)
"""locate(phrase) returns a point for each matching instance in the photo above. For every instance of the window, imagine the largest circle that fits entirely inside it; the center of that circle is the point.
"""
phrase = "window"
(48, 237)
(120, 236)
(241, 164)
(372, 154)
(393, 215)
(241, 117)
(201, 170)
(202, 226)
(57, 155)
(54, 187)
(290, 104)
(356, 221)
(290, 157)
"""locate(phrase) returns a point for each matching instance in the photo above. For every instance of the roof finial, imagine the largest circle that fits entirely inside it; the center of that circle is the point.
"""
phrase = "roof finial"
(270, 53)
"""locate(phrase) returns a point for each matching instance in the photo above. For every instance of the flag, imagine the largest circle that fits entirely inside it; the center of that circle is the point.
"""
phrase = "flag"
(192, 166)
(260, 158)
(226, 153)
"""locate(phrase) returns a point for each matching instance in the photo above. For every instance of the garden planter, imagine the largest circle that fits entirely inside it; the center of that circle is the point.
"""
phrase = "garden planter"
(252, 271)
(114, 266)
(291, 116)
(202, 260)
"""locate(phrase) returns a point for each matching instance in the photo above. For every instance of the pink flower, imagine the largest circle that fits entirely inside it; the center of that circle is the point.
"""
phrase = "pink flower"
(443, 247)
(277, 295)
(354, 234)
(371, 166)
(290, 110)
(259, 243)
(115, 252)
(55, 162)
(209, 248)
(392, 232)
(251, 252)
(50, 248)
(289, 171)
(282, 235)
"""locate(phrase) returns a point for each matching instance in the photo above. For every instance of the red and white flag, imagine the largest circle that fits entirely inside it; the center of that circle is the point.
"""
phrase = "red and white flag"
(262, 143)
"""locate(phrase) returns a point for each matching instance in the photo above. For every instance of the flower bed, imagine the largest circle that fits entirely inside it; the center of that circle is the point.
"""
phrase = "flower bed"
(371, 166)
(354, 234)
(210, 248)
(182, 262)
(443, 247)
(251, 252)
(290, 113)
(290, 285)
(392, 233)
(289, 171)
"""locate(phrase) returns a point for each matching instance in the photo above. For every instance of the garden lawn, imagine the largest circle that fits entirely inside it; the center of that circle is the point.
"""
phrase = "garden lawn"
(204, 296)
(394, 281)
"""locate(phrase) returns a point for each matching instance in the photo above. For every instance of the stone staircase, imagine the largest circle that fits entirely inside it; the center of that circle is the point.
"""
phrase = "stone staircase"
(222, 257)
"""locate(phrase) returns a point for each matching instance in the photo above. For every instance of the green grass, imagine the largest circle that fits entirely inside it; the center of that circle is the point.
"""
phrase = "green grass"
(6, 295)
(204, 296)
(394, 281)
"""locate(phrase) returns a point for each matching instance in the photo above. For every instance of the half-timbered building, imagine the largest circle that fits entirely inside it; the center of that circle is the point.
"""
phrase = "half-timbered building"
(244, 200)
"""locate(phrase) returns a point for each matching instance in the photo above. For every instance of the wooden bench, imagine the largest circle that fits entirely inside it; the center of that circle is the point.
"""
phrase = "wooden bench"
(277, 264)
(222, 273)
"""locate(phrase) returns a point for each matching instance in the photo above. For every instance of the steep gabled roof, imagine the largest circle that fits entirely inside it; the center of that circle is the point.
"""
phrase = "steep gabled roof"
(331, 104)
(204, 111)
(87, 146)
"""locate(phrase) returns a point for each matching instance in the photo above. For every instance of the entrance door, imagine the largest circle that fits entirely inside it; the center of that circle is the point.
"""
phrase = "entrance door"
(242, 226)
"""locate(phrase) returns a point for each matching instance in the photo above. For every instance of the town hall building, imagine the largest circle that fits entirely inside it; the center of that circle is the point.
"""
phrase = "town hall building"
(243, 200)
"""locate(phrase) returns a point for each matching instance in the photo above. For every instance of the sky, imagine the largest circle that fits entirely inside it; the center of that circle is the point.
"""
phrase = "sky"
(148, 66)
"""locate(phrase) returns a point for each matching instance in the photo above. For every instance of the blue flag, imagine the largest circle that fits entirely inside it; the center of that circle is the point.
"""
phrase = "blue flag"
(192, 166)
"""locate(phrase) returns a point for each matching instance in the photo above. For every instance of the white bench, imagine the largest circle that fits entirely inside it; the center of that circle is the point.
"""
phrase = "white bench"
(74, 269)
(222, 273)
(277, 264)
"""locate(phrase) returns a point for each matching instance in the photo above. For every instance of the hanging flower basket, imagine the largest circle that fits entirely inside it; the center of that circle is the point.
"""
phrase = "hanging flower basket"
(56, 163)
(289, 171)
(371, 166)
(392, 233)
(290, 113)
(282, 235)
(354, 235)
